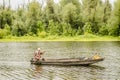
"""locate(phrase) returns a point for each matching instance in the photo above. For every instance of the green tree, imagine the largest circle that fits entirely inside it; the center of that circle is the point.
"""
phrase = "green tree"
(74, 2)
(99, 14)
(66, 18)
(103, 30)
(41, 26)
(107, 11)
(114, 23)
(87, 28)
(49, 9)
(5, 32)
(19, 27)
(69, 13)
(89, 12)
(33, 16)
(5, 17)
(2, 33)
(53, 28)
(67, 30)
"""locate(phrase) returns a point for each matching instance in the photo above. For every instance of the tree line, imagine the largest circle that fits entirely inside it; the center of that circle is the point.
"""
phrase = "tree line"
(65, 18)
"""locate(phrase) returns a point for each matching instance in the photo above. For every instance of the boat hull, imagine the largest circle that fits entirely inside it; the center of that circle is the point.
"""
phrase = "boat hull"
(67, 62)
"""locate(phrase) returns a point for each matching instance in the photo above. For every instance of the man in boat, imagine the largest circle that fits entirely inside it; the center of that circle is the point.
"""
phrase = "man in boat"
(37, 55)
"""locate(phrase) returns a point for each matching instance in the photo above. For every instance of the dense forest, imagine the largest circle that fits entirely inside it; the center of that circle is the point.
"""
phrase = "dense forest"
(65, 18)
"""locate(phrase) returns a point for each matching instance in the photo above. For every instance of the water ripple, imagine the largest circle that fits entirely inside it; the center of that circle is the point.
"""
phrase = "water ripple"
(15, 65)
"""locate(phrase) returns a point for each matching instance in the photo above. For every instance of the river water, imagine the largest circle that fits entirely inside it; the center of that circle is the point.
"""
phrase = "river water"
(15, 61)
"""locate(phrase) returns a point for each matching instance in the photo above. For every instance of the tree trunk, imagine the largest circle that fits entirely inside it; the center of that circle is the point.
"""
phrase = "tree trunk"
(9, 4)
(3, 4)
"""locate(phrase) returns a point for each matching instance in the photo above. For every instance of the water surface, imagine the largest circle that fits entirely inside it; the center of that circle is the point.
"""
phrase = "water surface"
(15, 65)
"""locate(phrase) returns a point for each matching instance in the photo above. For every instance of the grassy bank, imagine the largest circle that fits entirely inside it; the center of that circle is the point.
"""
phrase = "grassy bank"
(60, 38)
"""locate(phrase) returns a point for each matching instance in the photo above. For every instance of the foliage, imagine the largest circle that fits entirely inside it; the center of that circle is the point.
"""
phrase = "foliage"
(5, 32)
(41, 26)
(33, 15)
(65, 18)
(2, 33)
(42, 34)
(114, 22)
(5, 17)
(50, 12)
(7, 29)
(87, 28)
(53, 28)
(103, 30)
(69, 13)
(18, 28)
(107, 11)
(76, 3)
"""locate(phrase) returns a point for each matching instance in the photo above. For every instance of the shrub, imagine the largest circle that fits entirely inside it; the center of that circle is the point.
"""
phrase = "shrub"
(7, 29)
(103, 30)
(42, 34)
(2, 33)
(114, 31)
(87, 28)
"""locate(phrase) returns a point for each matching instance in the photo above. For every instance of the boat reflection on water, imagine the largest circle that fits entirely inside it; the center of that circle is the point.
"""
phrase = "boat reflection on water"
(36, 70)
(96, 67)
(53, 72)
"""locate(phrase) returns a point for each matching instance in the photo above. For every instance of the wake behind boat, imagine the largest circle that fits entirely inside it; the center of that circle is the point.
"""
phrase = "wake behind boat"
(68, 61)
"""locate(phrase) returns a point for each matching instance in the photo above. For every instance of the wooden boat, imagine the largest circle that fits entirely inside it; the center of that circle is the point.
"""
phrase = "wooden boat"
(67, 61)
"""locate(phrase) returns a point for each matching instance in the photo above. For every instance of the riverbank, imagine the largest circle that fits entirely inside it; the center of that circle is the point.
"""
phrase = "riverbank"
(60, 38)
